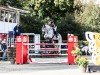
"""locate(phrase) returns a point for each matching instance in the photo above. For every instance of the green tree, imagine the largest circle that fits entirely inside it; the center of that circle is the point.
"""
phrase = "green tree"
(31, 24)
(68, 24)
(88, 17)
(91, 17)
(49, 8)
(14, 3)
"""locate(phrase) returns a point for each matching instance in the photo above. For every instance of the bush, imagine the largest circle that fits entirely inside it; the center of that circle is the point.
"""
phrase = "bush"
(76, 51)
(81, 61)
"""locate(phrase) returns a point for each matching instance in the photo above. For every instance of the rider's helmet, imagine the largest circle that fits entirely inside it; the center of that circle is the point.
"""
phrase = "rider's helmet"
(51, 23)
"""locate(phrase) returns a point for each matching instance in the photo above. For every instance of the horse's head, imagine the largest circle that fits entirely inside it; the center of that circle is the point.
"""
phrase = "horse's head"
(43, 29)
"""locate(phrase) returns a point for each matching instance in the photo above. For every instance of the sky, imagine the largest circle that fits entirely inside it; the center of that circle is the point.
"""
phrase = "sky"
(95, 1)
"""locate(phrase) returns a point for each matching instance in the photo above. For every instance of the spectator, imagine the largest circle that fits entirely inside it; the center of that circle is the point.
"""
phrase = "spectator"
(0, 43)
(17, 30)
(4, 48)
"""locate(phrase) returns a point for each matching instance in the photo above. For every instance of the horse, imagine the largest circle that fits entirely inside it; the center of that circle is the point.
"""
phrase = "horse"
(50, 37)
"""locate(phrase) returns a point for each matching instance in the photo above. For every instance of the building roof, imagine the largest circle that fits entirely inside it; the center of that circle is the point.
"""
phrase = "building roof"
(9, 8)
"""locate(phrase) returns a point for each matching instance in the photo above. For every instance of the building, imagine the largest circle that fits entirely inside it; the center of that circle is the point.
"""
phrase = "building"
(9, 18)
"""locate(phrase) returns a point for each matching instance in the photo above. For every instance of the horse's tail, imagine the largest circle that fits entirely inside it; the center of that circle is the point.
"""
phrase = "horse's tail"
(59, 38)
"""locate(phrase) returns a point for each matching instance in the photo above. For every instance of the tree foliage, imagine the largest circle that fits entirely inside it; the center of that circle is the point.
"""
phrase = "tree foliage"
(89, 17)
(49, 8)
(68, 24)
(13, 3)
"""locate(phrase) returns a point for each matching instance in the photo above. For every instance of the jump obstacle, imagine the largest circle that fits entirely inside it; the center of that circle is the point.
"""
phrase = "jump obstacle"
(23, 48)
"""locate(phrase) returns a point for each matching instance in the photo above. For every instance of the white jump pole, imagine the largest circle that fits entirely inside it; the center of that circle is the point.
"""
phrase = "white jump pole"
(37, 40)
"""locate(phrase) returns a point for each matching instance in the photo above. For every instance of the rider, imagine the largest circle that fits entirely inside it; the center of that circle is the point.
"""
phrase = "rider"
(50, 30)
(54, 27)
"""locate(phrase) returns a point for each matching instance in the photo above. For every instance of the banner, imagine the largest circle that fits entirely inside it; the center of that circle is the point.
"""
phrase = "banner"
(5, 27)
